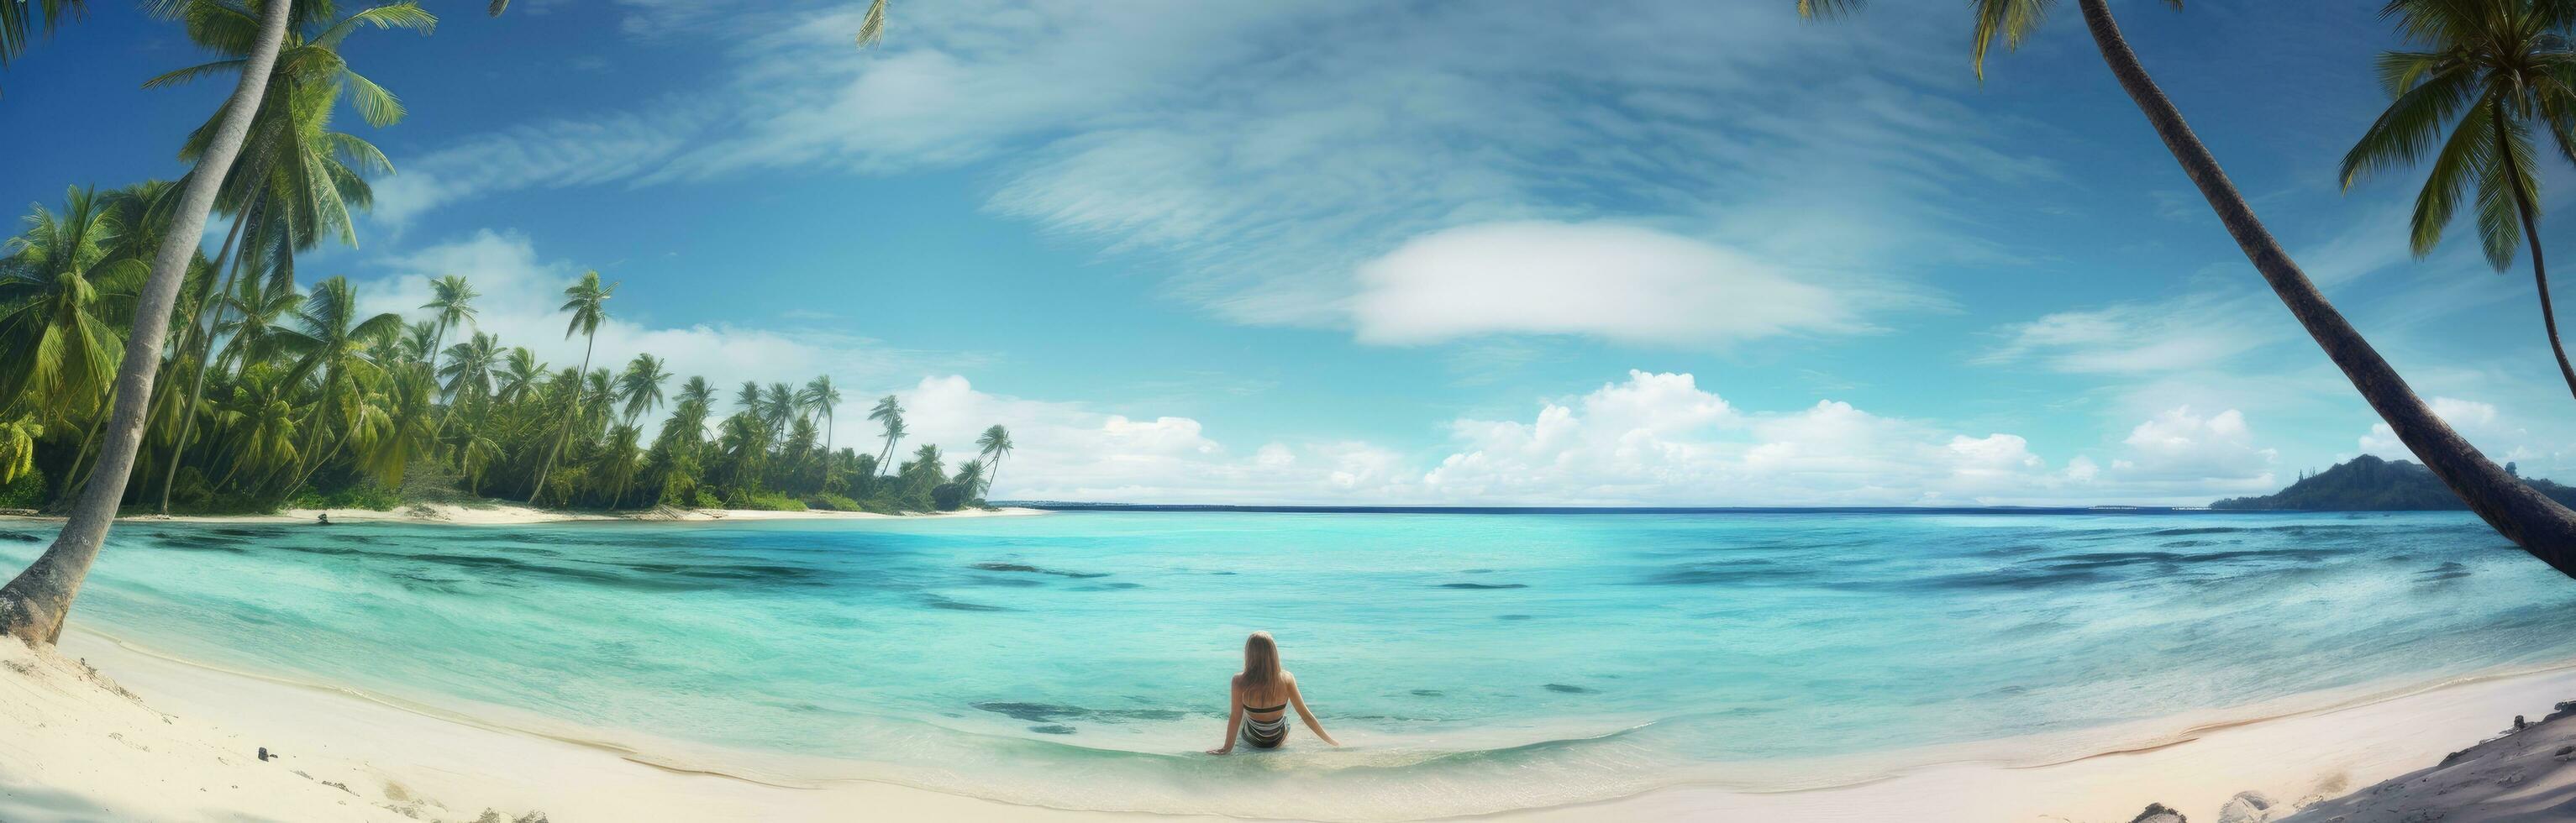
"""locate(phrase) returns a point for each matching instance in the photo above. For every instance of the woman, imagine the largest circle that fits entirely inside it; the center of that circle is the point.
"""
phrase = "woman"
(1262, 694)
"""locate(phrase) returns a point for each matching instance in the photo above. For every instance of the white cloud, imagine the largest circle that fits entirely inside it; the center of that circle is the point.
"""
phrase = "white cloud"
(521, 293)
(1266, 150)
(2185, 449)
(1621, 282)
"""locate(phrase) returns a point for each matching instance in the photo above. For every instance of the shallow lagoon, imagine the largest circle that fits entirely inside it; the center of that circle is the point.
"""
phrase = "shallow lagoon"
(1475, 662)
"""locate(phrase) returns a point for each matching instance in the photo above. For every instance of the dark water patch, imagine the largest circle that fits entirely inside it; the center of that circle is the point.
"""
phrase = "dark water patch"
(1562, 688)
(199, 546)
(1737, 572)
(1513, 617)
(1477, 571)
(1223, 574)
(1052, 728)
(1109, 587)
(2452, 570)
(1053, 712)
(21, 537)
(1024, 568)
(938, 602)
(2192, 530)
(1428, 693)
(1483, 586)
(1005, 582)
(2186, 544)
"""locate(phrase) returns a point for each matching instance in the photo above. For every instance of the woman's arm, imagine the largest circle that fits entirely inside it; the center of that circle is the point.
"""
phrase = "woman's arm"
(1233, 720)
(1298, 699)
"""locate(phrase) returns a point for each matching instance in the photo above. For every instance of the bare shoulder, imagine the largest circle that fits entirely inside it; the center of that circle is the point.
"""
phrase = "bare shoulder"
(1236, 682)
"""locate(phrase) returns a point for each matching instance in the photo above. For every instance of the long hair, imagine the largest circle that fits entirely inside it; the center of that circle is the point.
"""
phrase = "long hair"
(1260, 660)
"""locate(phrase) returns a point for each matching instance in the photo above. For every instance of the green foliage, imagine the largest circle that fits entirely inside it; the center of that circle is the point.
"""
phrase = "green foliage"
(764, 501)
(25, 492)
(948, 497)
(363, 495)
(828, 501)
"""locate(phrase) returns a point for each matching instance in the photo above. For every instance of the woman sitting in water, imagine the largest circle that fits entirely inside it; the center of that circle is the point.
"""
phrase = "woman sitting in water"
(1263, 692)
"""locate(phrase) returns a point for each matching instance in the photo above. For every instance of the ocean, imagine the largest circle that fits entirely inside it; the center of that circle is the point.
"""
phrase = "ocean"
(1471, 662)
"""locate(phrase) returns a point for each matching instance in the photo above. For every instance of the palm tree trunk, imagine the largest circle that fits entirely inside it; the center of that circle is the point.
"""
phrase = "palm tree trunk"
(2531, 520)
(34, 604)
(2531, 234)
(205, 344)
(569, 411)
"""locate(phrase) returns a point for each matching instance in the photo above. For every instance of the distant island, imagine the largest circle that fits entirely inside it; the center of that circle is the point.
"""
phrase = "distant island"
(2368, 483)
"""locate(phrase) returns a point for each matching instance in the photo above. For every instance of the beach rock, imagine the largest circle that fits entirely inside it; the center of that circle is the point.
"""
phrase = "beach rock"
(2157, 813)
(2251, 807)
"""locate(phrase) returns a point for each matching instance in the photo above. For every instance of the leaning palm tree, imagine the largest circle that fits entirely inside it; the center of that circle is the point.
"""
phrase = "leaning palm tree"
(587, 301)
(639, 388)
(2531, 520)
(2494, 71)
(451, 302)
(994, 443)
(820, 398)
(888, 411)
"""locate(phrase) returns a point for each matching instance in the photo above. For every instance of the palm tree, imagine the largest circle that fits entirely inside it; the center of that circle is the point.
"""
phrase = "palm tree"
(451, 302)
(995, 442)
(587, 301)
(18, 16)
(640, 387)
(520, 375)
(60, 303)
(468, 371)
(888, 411)
(777, 406)
(34, 604)
(298, 179)
(332, 341)
(820, 397)
(2494, 70)
(57, 289)
(2531, 520)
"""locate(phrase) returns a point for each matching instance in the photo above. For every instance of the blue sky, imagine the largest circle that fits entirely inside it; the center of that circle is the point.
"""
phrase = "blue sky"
(1625, 252)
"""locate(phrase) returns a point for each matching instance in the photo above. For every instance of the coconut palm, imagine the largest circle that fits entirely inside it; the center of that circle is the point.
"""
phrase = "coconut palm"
(18, 17)
(451, 302)
(587, 301)
(58, 290)
(820, 398)
(2531, 520)
(468, 371)
(992, 446)
(331, 341)
(777, 406)
(888, 412)
(520, 376)
(2494, 71)
(639, 388)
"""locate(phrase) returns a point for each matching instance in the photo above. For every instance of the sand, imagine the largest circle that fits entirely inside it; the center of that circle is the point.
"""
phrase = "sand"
(497, 513)
(145, 737)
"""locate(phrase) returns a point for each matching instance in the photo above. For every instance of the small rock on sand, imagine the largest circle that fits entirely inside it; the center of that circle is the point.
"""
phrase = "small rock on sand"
(2157, 813)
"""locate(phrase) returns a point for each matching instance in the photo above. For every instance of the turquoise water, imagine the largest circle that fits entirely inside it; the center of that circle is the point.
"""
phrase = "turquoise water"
(1473, 662)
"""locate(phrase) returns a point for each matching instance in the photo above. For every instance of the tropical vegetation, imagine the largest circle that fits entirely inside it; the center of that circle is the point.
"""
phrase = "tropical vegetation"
(126, 352)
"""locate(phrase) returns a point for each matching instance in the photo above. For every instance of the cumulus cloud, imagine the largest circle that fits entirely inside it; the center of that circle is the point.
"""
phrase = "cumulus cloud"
(1621, 282)
(2184, 449)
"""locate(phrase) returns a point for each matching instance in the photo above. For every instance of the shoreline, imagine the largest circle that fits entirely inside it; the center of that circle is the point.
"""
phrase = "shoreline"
(202, 724)
(496, 513)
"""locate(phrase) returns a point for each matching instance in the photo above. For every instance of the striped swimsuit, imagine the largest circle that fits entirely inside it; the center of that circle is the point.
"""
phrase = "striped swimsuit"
(1265, 734)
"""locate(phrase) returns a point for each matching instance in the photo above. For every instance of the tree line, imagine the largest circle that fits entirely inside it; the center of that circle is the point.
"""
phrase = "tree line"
(271, 391)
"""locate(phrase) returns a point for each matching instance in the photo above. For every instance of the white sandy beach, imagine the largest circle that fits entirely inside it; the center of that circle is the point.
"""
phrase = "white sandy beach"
(152, 738)
(497, 513)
